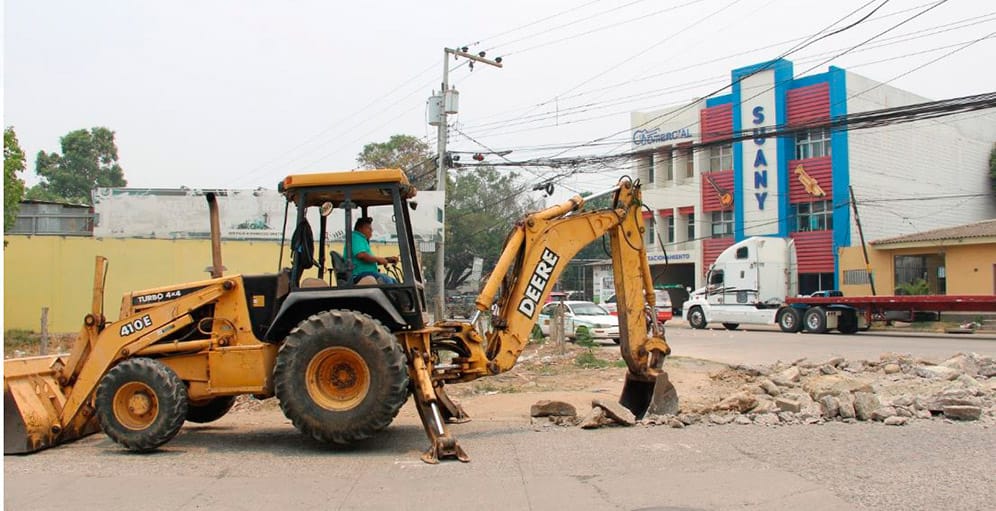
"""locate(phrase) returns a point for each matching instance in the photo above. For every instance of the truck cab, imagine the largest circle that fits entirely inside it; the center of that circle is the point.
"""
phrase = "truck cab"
(746, 284)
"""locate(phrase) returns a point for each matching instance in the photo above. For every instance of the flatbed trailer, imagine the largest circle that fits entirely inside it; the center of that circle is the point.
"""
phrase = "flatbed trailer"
(848, 314)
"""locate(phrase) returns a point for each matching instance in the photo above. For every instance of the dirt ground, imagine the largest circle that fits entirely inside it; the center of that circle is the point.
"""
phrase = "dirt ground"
(567, 373)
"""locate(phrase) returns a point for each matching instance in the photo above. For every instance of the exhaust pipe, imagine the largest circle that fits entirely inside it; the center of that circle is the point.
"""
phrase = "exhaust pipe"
(216, 267)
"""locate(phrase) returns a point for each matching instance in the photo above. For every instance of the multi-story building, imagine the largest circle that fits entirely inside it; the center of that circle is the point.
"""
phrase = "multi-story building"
(708, 190)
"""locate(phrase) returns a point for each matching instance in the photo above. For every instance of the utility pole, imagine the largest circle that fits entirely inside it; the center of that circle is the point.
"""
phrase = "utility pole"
(861, 234)
(448, 102)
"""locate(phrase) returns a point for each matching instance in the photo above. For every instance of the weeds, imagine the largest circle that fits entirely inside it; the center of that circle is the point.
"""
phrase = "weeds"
(588, 360)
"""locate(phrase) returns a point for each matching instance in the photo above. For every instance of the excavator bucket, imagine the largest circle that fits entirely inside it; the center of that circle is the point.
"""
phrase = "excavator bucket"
(32, 403)
(656, 397)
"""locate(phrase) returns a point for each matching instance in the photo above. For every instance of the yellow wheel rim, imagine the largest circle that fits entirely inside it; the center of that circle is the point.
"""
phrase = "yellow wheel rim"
(136, 406)
(338, 379)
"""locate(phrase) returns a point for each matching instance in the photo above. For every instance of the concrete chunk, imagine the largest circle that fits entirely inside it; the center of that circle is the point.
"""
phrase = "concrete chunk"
(547, 408)
(864, 404)
(615, 411)
(963, 413)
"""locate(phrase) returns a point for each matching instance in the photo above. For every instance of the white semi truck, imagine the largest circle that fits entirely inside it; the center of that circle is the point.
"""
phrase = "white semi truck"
(755, 281)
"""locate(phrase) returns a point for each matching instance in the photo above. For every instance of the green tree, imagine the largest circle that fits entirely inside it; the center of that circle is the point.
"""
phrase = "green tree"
(992, 168)
(89, 159)
(403, 152)
(13, 186)
(482, 205)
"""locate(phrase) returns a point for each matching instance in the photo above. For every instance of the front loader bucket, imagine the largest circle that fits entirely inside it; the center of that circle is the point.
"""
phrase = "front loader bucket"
(656, 397)
(32, 403)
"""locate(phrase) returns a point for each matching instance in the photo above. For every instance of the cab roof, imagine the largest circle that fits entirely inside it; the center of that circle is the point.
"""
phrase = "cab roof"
(331, 186)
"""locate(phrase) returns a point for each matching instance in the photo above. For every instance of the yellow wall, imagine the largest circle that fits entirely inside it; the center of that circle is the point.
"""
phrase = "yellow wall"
(969, 268)
(57, 272)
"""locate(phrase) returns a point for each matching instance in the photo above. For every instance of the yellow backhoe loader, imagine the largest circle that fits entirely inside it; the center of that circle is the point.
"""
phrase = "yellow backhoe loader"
(342, 352)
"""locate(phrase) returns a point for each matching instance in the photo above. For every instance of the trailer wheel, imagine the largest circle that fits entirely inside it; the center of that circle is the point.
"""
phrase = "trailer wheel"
(789, 320)
(731, 326)
(341, 376)
(847, 323)
(815, 320)
(696, 318)
(210, 410)
(141, 404)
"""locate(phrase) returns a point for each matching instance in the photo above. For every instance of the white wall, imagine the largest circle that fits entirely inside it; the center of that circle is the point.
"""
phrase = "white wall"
(939, 157)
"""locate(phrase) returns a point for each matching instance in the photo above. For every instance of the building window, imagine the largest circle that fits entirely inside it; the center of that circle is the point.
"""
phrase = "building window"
(813, 216)
(650, 168)
(669, 227)
(651, 234)
(721, 157)
(812, 143)
(722, 224)
(689, 163)
(690, 227)
(664, 164)
(855, 277)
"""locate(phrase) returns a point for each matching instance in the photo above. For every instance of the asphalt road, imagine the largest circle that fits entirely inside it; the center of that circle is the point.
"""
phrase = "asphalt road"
(256, 460)
(753, 344)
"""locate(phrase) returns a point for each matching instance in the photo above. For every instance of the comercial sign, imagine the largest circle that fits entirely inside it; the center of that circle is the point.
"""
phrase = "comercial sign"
(658, 136)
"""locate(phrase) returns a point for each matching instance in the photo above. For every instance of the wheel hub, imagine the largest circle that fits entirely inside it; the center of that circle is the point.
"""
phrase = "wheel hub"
(338, 378)
(135, 405)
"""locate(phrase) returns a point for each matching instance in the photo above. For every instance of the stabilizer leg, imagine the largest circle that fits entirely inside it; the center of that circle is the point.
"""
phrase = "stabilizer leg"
(430, 407)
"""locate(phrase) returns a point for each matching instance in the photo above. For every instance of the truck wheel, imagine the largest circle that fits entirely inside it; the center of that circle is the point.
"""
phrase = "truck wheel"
(815, 320)
(731, 326)
(210, 410)
(340, 376)
(141, 404)
(696, 318)
(789, 321)
(847, 323)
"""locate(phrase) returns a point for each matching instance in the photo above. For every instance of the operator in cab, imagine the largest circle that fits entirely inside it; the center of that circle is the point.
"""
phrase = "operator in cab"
(364, 262)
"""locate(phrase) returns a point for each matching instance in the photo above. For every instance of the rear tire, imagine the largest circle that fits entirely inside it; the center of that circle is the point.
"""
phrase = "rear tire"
(731, 326)
(815, 320)
(210, 410)
(141, 404)
(790, 321)
(341, 376)
(847, 323)
(696, 318)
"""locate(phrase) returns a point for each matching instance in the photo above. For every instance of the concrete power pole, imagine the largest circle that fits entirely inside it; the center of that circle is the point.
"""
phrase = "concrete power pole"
(448, 103)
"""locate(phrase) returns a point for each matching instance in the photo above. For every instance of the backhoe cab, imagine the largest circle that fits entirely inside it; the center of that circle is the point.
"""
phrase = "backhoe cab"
(341, 354)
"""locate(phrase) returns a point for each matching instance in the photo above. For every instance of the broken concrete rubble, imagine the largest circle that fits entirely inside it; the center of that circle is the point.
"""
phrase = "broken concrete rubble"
(895, 390)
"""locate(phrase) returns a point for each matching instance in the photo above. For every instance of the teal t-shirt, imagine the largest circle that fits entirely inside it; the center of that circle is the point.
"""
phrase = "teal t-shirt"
(361, 244)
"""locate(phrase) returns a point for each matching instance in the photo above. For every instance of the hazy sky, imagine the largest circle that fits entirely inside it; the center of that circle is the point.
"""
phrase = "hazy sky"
(238, 94)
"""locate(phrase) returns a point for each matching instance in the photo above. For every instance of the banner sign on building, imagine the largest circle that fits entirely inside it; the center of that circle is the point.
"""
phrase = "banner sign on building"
(759, 166)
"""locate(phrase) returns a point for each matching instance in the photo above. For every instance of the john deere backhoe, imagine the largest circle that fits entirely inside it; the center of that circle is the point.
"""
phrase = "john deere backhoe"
(341, 355)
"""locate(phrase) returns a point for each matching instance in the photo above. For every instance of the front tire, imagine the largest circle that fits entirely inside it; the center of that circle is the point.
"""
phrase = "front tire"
(341, 376)
(696, 318)
(141, 404)
(790, 321)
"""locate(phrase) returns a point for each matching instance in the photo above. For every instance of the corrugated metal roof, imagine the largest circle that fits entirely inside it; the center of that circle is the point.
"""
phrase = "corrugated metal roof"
(983, 229)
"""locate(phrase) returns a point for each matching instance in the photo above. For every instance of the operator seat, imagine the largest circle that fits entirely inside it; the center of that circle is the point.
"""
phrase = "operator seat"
(343, 273)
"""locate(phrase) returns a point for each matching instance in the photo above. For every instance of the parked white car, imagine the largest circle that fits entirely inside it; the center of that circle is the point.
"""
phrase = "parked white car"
(581, 316)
